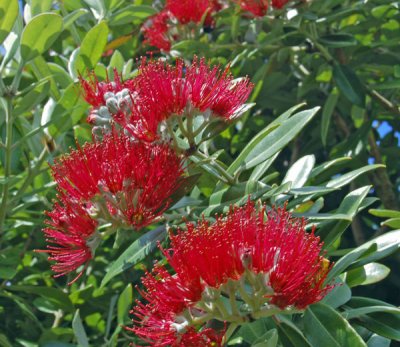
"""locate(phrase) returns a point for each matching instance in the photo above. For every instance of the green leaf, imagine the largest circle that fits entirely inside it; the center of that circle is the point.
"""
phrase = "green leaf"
(79, 330)
(367, 274)
(250, 332)
(393, 223)
(91, 49)
(49, 25)
(134, 253)
(320, 169)
(375, 249)
(378, 341)
(8, 15)
(290, 335)
(259, 137)
(268, 339)
(349, 207)
(32, 98)
(272, 141)
(323, 326)
(349, 84)
(357, 312)
(338, 40)
(385, 213)
(123, 305)
(327, 112)
(4, 341)
(130, 13)
(385, 323)
(339, 295)
(299, 172)
(342, 180)
(71, 18)
(55, 296)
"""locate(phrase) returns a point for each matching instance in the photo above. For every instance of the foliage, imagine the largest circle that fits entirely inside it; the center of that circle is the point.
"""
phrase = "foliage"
(337, 166)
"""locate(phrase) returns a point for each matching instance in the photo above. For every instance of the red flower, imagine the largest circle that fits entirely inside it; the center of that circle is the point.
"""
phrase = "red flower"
(279, 247)
(71, 237)
(95, 92)
(160, 329)
(155, 31)
(272, 263)
(186, 11)
(165, 90)
(279, 3)
(258, 8)
(121, 179)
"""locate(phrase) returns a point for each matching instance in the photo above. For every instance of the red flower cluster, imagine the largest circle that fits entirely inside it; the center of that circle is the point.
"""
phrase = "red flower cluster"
(160, 29)
(71, 237)
(258, 8)
(186, 11)
(116, 180)
(155, 31)
(161, 90)
(279, 262)
(130, 181)
(279, 3)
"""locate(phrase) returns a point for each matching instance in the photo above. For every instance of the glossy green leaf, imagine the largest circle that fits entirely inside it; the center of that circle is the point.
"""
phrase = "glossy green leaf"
(124, 304)
(291, 336)
(70, 18)
(8, 15)
(49, 25)
(392, 223)
(323, 168)
(259, 137)
(130, 13)
(378, 341)
(338, 40)
(327, 112)
(367, 274)
(273, 141)
(385, 321)
(79, 330)
(385, 213)
(268, 339)
(339, 295)
(349, 84)
(323, 326)
(357, 312)
(4, 341)
(32, 98)
(342, 180)
(134, 253)
(55, 296)
(349, 207)
(299, 172)
(375, 249)
(91, 49)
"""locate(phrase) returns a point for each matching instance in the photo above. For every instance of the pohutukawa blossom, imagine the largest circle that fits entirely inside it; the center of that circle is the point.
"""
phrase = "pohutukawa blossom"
(161, 91)
(121, 180)
(95, 92)
(166, 90)
(155, 31)
(71, 236)
(258, 8)
(268, 261)
(279, 3)
(108, 100)
(186, 11)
